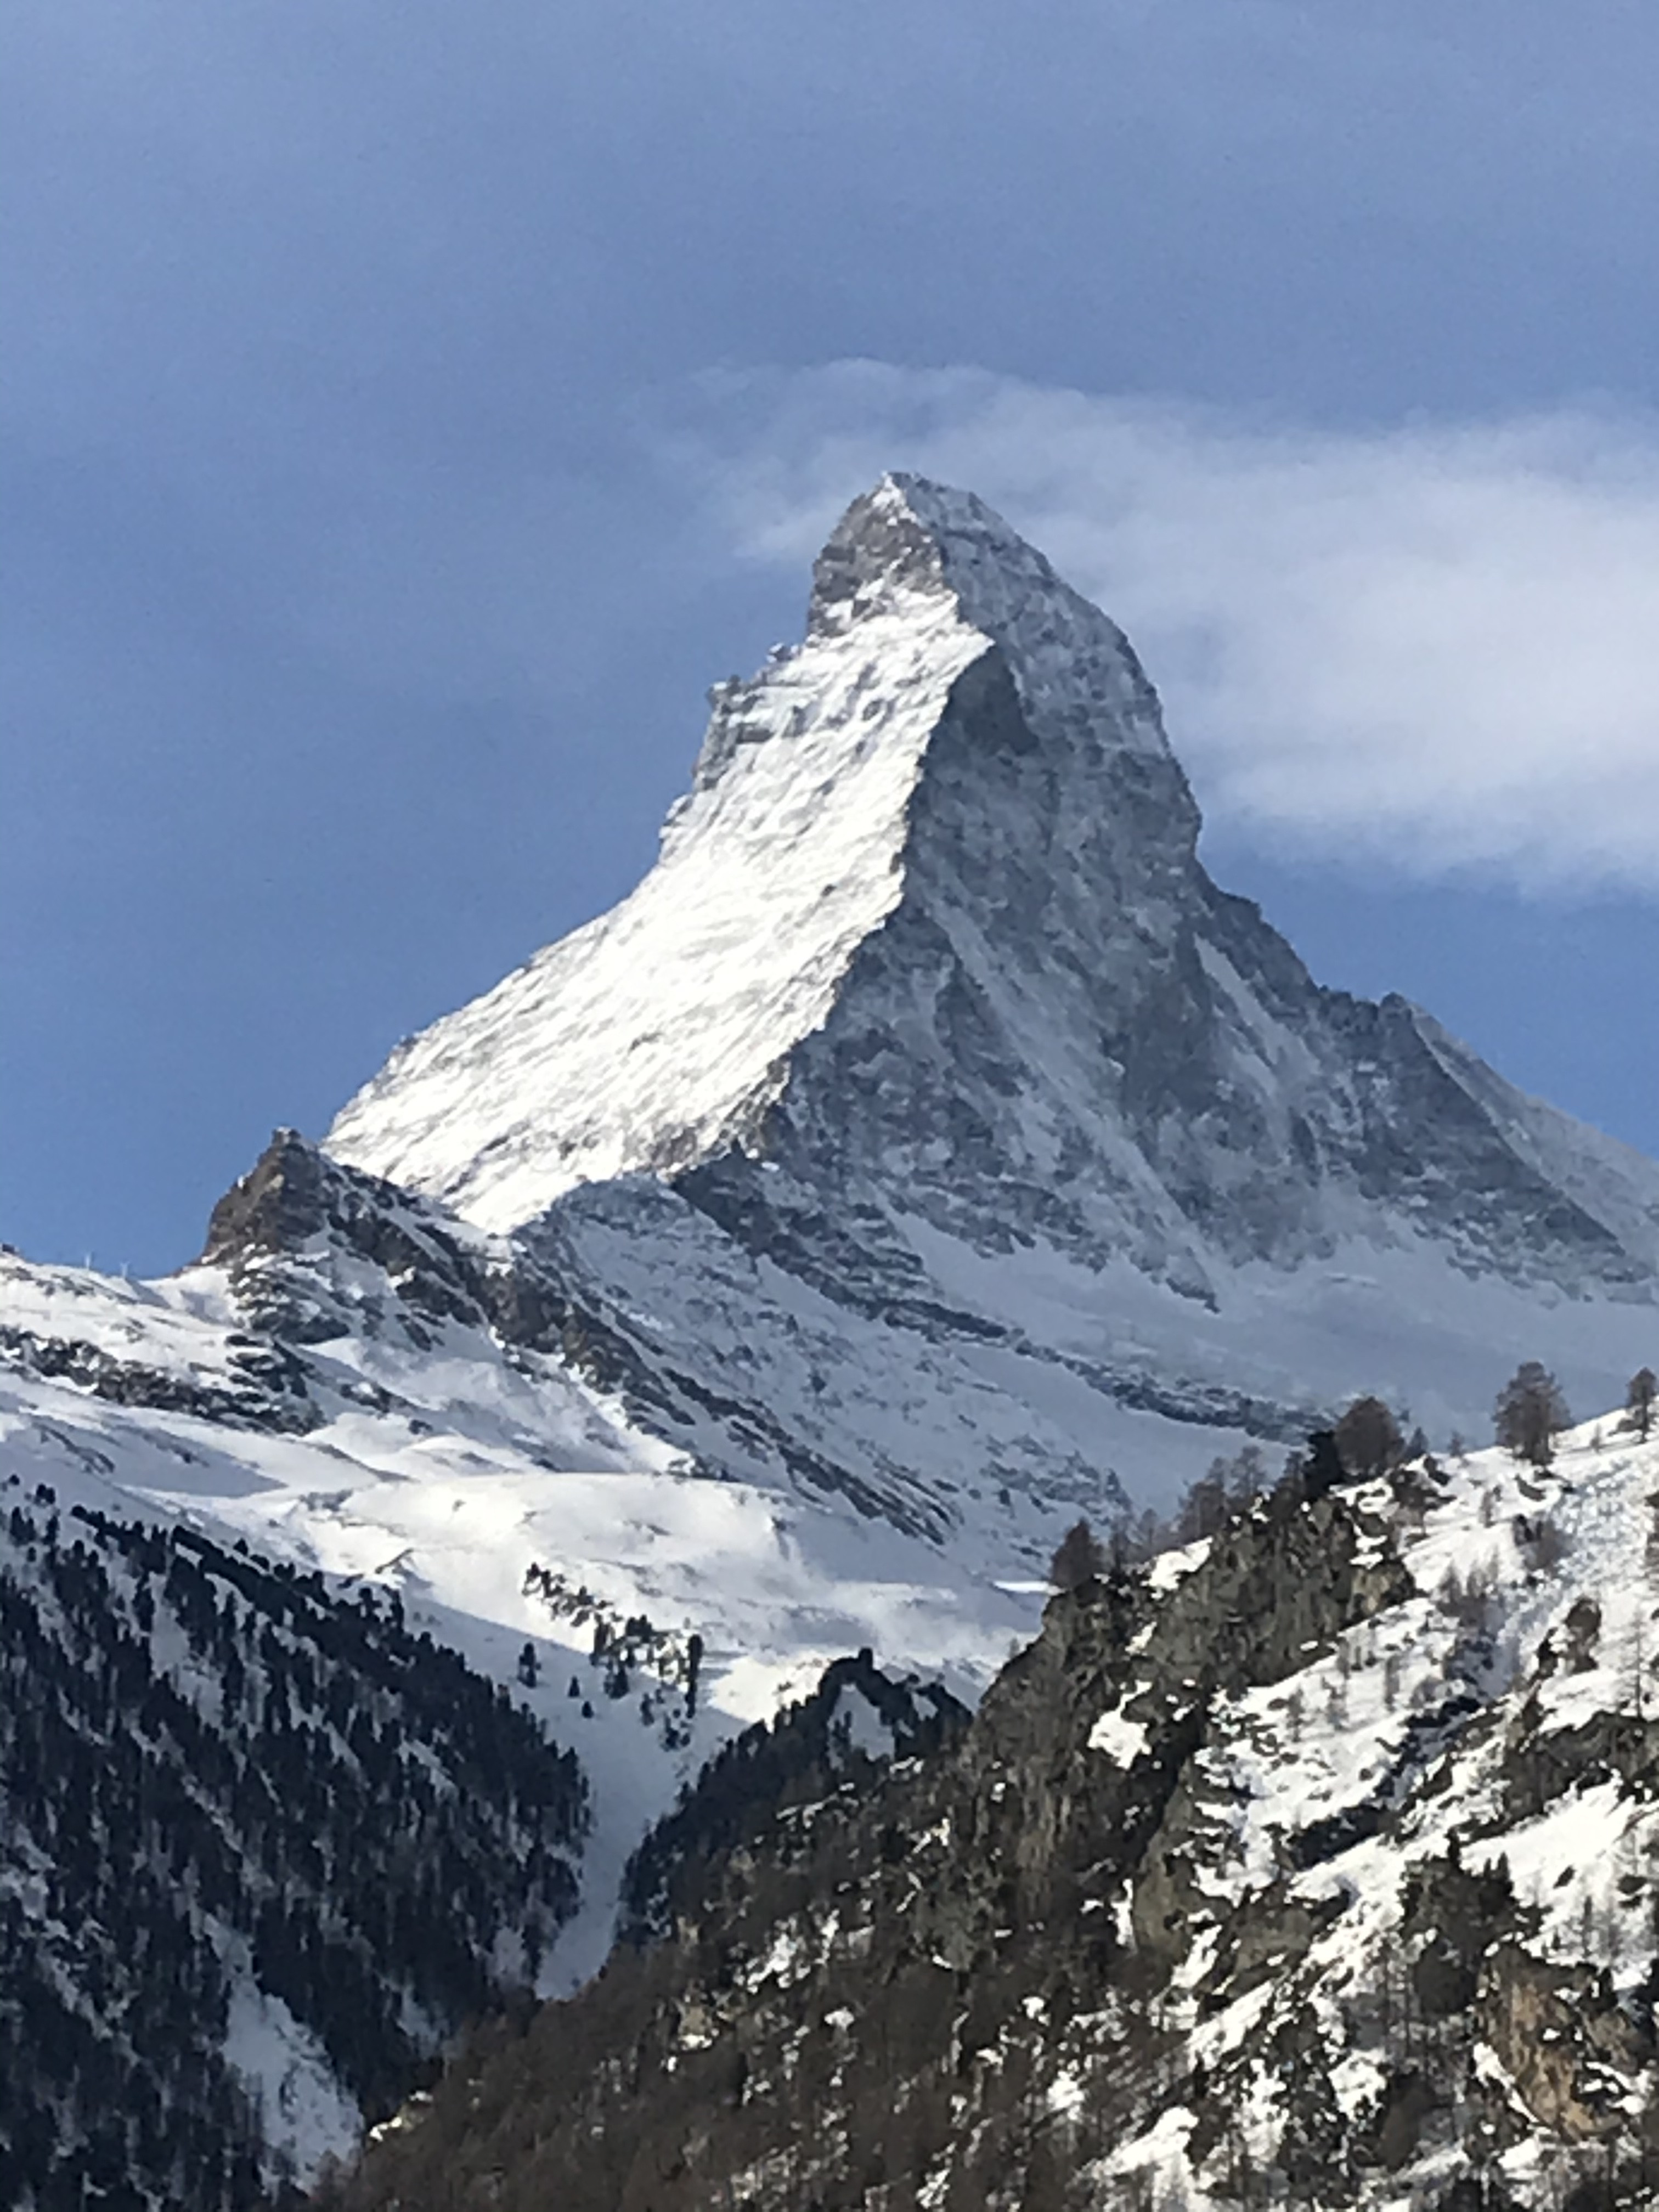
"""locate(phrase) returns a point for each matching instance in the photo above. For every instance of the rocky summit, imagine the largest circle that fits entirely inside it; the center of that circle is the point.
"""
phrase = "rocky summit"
(603, 1486)
(933, 1116)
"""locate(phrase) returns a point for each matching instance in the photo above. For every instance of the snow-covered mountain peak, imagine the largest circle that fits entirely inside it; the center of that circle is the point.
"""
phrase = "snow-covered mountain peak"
(910, 538)
(881, 551)
(661, 1033)
(929, 1044)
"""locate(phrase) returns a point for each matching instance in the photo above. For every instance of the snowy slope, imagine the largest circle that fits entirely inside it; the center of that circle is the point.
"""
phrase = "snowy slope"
(499, 1490)
(1314, 1865)
(930, 1032)
(1498, 1722)
(501, 1498)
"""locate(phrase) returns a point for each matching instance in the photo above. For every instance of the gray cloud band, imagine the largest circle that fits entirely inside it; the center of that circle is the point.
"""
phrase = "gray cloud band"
(1439, 642)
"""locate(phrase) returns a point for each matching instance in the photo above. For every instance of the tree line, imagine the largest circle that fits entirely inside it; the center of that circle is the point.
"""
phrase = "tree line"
(1366, 1442)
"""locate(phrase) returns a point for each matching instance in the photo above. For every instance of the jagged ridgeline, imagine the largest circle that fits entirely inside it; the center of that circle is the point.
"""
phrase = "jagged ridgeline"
(262, 1846)
(929, 1068)
(1309, 1865)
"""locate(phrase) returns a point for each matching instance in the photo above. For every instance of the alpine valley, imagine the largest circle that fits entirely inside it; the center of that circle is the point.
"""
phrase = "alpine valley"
(606, 1489)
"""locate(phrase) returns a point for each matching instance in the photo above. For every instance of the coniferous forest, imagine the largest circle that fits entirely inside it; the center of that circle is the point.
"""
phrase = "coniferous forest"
(220, 1778)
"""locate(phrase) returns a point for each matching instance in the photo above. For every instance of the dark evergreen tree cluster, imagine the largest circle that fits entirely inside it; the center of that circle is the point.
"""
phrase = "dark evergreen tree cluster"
(1365, 1444)
(209, 1764)
(1368, 1439)
(629, 1654)
(1080, 1557)
(1640, 1401)
(801, 1753)
(1530, 1413)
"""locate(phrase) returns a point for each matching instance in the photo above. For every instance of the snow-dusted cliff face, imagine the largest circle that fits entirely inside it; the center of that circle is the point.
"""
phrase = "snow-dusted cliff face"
(658, 1034)
(1313, 1867)
(929, 1018)
(652, 1037)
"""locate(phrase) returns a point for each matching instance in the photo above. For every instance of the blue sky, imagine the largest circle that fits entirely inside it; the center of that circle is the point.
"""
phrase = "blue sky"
(409, 412)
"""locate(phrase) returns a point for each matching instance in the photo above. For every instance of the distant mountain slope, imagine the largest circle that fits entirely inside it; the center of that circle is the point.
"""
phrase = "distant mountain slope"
(930, 1033)
(264, 1850)
(1314, 1866)
(422, 1440)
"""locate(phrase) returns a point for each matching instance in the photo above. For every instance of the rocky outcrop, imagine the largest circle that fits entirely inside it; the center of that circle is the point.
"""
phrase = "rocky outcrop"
(1570, 2050)
(287, 1234)
(266, 1388)
(1082, 1952)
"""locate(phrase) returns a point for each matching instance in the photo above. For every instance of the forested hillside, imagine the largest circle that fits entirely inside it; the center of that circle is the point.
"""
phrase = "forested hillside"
(263, 1851)
(1311, 1865)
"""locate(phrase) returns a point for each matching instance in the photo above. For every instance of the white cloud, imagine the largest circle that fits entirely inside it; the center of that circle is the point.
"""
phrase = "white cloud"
(1438, 643)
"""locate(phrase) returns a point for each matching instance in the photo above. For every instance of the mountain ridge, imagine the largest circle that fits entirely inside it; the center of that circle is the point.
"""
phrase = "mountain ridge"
(965, 992)
(993, 1168)
(1312, 1865)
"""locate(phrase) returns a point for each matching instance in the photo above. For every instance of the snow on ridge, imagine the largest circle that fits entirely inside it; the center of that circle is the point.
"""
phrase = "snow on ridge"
(661, 1031)
(930, 983)
(1611, 1180)
(1530, 1623)
(656, 1032)
(1066, 655)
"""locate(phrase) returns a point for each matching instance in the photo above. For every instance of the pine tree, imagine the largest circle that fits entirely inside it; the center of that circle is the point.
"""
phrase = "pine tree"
(1368, 1439)
(1077, 1559)
(1639, 1401)
(1530, 1413)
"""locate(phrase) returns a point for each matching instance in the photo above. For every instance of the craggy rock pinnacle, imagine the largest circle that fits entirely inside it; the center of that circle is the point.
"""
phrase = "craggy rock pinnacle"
(929, 1032)
(275, 1206)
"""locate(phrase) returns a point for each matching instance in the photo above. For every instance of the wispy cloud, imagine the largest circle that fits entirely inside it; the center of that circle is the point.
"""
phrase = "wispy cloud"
(1435, 646)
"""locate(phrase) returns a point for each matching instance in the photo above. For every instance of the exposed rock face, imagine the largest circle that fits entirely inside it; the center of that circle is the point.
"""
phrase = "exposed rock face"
(929, 1043)
(288, 1233)
(1561, 2034)
(264, 1384)
(1121, 1943)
